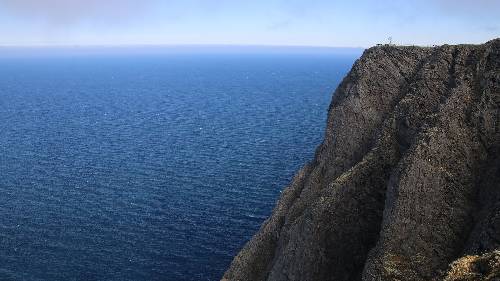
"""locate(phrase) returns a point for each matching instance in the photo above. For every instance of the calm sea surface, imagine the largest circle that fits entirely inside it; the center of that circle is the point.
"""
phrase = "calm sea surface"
(155, 166)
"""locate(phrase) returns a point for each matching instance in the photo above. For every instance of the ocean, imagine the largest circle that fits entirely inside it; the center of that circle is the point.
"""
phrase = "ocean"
(151, 165)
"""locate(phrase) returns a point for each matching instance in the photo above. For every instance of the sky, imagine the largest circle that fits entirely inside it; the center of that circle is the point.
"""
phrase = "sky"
(355, 23)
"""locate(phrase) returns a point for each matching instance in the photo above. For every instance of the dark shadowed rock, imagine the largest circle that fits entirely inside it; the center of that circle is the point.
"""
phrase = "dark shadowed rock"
(406, 181)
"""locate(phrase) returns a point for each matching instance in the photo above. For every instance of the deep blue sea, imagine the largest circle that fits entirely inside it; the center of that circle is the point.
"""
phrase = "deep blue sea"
(150, 165)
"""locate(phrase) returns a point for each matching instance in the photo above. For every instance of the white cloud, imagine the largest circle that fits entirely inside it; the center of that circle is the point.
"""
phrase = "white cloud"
(469, 7)
(68, 11)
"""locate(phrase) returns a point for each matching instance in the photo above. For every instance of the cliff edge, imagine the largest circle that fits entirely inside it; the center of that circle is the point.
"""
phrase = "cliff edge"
(406, 184)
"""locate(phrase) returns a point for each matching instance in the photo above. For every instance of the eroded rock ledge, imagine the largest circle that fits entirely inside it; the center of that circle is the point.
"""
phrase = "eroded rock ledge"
(406, 181)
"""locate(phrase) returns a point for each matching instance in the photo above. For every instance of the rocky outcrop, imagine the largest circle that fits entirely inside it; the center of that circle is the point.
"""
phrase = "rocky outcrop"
(406, 181)
(470, 268)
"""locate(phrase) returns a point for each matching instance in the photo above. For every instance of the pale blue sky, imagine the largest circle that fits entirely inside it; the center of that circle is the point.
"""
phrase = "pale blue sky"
(357, 23)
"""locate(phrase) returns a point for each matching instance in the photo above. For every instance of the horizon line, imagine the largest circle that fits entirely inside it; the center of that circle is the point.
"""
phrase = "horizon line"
(175, 45)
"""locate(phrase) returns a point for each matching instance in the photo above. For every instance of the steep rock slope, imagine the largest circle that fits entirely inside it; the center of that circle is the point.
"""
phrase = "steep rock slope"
(406, 181)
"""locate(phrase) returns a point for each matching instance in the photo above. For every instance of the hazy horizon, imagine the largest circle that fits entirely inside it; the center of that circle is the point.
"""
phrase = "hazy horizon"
(167, 50)
(322, 23)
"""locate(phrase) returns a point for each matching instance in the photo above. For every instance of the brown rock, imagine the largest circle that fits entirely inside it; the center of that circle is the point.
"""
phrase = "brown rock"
(475, 268)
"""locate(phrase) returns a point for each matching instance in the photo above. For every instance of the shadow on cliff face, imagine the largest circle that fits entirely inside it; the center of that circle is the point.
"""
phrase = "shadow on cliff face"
(406, 181)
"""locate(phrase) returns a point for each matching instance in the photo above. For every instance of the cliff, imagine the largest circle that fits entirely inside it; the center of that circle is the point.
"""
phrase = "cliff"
(406, 184)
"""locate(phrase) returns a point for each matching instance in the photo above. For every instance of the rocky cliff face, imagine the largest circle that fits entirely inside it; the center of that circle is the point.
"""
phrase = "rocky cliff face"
(406, 184)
